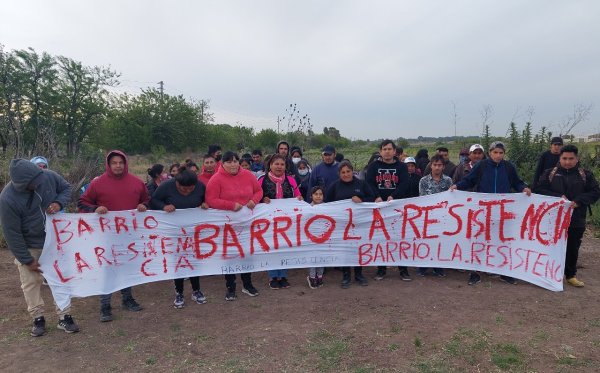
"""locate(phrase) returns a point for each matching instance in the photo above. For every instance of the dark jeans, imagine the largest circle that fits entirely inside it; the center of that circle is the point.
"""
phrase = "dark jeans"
(357, 271)
(230, 280)
(125, 294)
(573, 244)
(195, 281)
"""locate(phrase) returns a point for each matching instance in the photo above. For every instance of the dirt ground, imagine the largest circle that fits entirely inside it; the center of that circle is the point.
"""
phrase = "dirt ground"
(427, 325)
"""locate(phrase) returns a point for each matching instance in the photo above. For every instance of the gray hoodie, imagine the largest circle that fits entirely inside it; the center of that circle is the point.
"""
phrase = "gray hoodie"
(23, 211)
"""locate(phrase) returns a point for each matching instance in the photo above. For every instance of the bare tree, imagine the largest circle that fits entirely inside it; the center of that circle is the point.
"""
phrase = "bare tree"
(454, 117)
(486, 116)
(580, 114)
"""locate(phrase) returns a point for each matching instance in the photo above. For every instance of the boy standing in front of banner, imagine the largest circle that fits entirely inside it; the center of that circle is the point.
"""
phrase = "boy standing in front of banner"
(570, 181)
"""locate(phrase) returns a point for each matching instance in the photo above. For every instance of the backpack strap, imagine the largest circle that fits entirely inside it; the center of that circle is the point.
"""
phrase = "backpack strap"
(552, 173)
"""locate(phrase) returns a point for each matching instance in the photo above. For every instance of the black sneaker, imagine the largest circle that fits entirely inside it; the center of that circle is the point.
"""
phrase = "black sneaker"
(39, 327)
(404, 275)
(346, 281)
(230, 295)
(68, 324)
(130, 304)
(284, 283)
(421, 271)
(361, 280)
(379, 275)
(439, 272)
(508, 280)
(474, 278)
(250, 290)
(106, 313)
(274, 284)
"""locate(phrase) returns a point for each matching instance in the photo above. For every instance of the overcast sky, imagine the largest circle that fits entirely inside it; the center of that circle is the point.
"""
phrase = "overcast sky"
(372, 69)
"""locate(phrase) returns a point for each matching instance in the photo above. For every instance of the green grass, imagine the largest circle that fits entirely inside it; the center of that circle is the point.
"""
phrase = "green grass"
(507, 356)
(329, 348)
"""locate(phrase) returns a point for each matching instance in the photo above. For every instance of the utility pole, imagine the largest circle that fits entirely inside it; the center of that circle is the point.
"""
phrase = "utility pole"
(161, 85)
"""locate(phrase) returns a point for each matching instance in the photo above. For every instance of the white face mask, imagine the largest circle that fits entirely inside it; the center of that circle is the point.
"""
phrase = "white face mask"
(296, 160)
(303, 172)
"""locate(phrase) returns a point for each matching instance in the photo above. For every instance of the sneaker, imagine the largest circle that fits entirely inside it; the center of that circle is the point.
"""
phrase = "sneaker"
(274, 284)
(130, 304)
(312, 282)
(379, 275)
(250, 290)
(346, 281)
(439, 272)
(573, 281)
(68, 324)
(106, 313)
(39, 327)
(421, 271)
(508, 280)
(179, 301)
(320, 281)
(474, 278)
(230, 295)
(198, 297)
(404, 275)
(361, 280)
(284, 283)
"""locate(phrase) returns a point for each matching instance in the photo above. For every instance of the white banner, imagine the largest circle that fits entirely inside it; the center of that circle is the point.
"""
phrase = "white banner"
(508, 234)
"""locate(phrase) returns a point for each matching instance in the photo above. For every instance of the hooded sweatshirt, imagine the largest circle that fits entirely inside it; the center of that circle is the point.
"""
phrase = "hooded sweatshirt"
(224, 190)
(23, 211)
(116, 193)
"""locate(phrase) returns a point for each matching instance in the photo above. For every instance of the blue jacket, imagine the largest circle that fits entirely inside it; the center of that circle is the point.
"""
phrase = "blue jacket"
(324, 175)
(488, 176)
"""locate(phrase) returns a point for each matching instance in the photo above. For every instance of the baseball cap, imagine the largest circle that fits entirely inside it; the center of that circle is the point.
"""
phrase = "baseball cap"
(475, 147)
(328, 149)
(556, 140)
(497, 144)
(410, 160)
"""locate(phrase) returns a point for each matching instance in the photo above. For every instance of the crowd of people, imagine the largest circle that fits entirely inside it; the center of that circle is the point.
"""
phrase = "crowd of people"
(228, 181)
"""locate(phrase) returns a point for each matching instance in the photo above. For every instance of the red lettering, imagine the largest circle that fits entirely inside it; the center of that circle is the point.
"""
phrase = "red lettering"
(535, 264)
(475, 252)
(406, 219)
(457, 252)
(181, 264)
(472, 219)
(83, 226)
(349, 226)
(456, 217)
(62, 232)
(227, 232)
(378, 223)
(165, 243)
(62, 279)
(131, 248)
(80, 263)
(148, 220)
(100, 255)
(257, 229)
(104, 224)
(364, 254)
(277, 230)
(143, 269)
(120, 224)
(209, 240)
(298, 230)
(329, 226)
(427, 221)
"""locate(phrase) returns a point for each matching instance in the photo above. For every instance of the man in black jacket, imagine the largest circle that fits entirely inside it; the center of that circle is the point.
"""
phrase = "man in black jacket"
(570, 181)
(548, 159)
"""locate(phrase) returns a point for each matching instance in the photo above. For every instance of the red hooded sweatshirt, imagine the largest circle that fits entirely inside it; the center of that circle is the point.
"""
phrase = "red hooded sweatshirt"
(116, 193)
(224, 189)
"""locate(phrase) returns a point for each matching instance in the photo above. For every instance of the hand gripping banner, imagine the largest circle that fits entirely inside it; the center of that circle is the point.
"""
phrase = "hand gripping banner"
(507, 234)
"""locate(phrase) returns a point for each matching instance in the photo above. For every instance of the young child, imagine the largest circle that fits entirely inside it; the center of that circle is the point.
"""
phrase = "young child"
(315, 274)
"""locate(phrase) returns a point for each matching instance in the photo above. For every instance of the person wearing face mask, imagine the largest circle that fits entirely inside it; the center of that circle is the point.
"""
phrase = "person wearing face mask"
(303, 176)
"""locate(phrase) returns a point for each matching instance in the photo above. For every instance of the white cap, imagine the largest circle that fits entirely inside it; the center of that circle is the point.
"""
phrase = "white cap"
(475, 147)
(410, 160)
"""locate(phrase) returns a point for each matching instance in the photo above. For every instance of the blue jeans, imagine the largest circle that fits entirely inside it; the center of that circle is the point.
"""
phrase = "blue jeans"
(277, 273)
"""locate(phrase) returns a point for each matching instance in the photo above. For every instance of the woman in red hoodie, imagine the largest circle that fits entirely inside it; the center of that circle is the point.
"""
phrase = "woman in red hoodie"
(232, 188)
